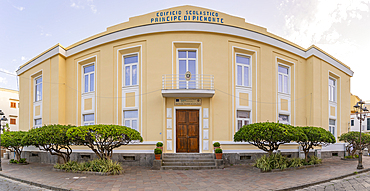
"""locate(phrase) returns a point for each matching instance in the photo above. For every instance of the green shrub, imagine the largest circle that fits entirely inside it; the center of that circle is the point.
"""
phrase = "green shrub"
(296, 162)
(159, 144)
(97, 165)
(277, 161)
(216, 144)
(13, 161)
(314, 160)
(218, 151)
(157, 151)
(22, 160)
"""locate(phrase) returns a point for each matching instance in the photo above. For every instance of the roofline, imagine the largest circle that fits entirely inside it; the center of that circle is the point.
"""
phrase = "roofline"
(9, 90)
(107, 37)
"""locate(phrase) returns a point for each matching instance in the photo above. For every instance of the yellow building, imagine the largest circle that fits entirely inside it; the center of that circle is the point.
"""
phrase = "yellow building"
(186, 76)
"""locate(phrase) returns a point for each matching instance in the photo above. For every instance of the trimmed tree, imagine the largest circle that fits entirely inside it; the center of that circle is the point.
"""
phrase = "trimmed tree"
(13, 141)
(268, 136)
(315, 136)
(102, 139)
(353, 140)
(53, 139)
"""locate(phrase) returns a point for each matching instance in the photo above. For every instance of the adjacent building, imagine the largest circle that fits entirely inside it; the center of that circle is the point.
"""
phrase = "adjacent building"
(9, 104)
(186, 76)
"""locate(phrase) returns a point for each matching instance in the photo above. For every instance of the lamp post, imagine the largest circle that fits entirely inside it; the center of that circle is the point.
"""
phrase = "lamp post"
(2, 119)
(361, 110)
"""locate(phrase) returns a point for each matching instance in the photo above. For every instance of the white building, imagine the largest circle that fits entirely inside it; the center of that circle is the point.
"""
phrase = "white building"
(9, 104)
(355, 122)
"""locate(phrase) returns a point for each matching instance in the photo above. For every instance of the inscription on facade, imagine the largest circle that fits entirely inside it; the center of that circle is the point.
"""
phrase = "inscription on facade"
(188, 101)
(188, 15)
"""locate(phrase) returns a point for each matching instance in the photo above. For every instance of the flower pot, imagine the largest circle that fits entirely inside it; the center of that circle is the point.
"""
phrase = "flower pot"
(218, 155)
(157, 156)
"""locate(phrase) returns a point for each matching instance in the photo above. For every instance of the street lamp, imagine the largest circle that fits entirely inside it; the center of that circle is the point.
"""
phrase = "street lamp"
(2, 119)
(360, 108)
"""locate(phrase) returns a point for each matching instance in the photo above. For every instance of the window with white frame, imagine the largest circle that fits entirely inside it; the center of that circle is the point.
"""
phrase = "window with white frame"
(332, 89)
(131, 119)
(130, 64)
(187, 62)
(88, 119)
(242, 118)
(242, 70)
(368, 124)
(37, 123)
(353, 122)
(38, 89)
(283, 79)
(89, 72)
(284, 119)
(332, 126)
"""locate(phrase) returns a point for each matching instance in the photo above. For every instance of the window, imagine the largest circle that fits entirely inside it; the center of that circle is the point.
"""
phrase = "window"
(243, 118)
(131, 70)
(88, 119)
(242, 70)
(13, 105)
(131, 119)
(283, 78)
(284, 119)
(89, 72)
(332, 90)
(368, 123)
(332, 126)
(13, 122)
(38, 123)
(353, 122)
(38, 89)
(187, 62)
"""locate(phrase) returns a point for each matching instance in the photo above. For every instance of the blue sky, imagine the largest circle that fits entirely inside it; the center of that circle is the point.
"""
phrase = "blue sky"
(339, 27)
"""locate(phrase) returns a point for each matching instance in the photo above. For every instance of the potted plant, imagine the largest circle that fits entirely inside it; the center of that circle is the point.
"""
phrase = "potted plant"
(218, 154)
(157, 153)
(216, 145)
(160, 145)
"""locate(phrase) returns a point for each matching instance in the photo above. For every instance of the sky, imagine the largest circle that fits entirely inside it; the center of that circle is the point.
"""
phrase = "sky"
(339, 27)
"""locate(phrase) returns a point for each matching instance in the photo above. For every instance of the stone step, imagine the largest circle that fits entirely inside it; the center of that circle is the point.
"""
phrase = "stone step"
(188, 156)
(187, 160)
(165, 163)
(187, 167)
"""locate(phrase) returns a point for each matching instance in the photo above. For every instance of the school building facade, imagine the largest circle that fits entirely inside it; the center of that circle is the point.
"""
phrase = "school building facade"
(188, 77)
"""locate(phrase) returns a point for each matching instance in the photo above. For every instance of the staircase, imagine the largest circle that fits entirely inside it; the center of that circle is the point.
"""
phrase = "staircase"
(190, 161)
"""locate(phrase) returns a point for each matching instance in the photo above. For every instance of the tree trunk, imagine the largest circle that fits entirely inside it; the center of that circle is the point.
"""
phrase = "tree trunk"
(17, 155)
(270, 152)
(306, 156)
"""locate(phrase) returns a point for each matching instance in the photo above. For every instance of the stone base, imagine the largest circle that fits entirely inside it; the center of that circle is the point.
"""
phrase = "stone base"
(157, 164)
(126, 159)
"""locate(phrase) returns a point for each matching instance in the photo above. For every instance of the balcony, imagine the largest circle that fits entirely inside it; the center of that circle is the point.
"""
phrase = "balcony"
(197, 85)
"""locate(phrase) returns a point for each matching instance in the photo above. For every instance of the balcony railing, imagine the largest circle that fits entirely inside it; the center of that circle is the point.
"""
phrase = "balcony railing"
(196, 82)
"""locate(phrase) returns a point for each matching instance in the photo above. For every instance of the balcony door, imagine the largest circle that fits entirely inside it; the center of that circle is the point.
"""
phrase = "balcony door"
(187, 62)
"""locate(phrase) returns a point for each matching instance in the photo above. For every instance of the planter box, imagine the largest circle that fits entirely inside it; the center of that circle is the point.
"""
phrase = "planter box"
(88, 172)
(291, 168)
(19, 163)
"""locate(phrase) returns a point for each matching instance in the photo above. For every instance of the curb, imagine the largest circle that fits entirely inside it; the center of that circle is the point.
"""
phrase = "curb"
(323, 181)
(34, 184)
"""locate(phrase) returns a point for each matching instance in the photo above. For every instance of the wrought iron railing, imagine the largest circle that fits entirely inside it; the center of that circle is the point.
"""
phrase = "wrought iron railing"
(179, 81)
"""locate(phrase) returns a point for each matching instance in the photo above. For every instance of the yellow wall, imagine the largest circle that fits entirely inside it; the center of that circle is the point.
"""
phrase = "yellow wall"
(62, 89)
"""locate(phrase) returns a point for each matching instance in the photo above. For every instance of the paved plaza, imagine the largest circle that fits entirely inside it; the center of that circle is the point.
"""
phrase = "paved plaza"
(237, 177)
(360, 182)
(12, 185)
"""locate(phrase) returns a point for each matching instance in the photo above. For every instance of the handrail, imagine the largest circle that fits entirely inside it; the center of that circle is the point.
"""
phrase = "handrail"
(197, 81)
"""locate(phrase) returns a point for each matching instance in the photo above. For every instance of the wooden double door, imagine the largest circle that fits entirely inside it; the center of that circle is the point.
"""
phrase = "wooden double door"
(187, 131)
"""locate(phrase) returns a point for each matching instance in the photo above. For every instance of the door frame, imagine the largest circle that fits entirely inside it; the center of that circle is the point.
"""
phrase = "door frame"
(175, 122)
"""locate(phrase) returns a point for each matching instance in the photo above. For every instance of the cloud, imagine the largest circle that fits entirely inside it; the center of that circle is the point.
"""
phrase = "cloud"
(312, 22)
(19, 8)
(81, 4)
(3, 81)
(22, 58)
